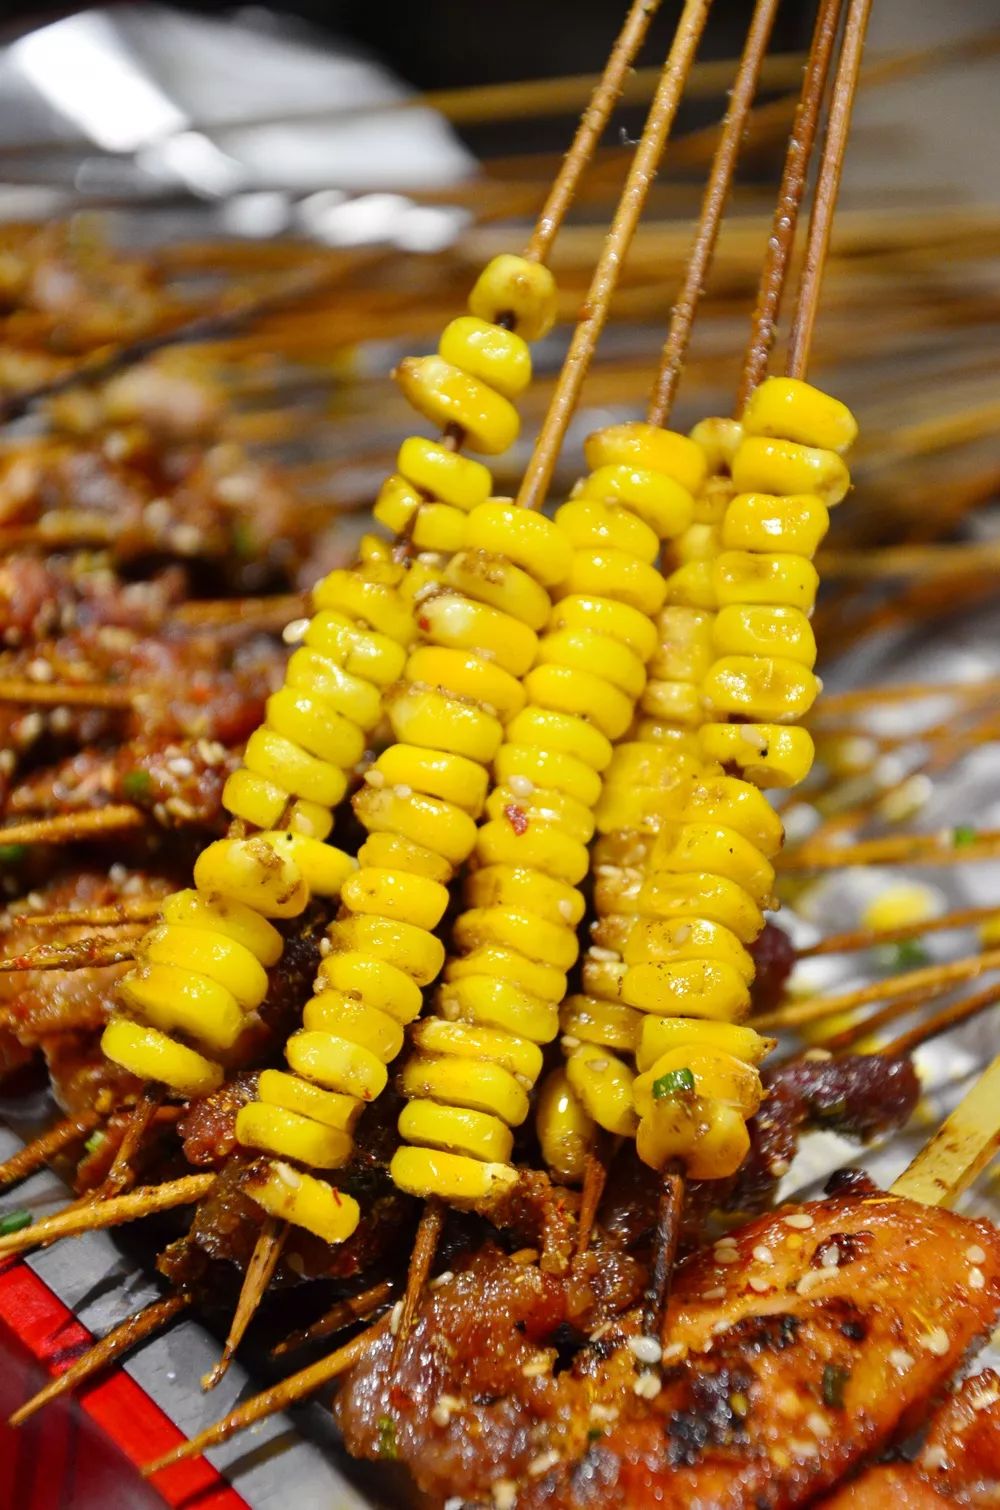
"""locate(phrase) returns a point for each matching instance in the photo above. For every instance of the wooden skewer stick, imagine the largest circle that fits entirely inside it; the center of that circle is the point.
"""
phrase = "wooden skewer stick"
(893, 849)
(595, 1176)
(902, 692)
(82, 954)
(943, 1022)
(260, 1269)
(538, 474)
(933, 979)
(872, 938)
(122, 1338)
(146, 1201)
(121, 1175)
(64, 694)
(67, 828)
(114, 915)
(279, 1397)
(778, 255)
(963, 1145)
(40, 1150)
(354, 1308)
(668, 1231)
(424, 1249)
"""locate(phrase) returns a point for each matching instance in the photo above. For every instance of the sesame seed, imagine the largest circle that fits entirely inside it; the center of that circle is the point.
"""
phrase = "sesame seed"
(504, 1492)
(564, 907)
(975, 1254)
(789, 1403)
(599, 1331)
(935, 1341)
(809, 1281)
(396, 1317)
(648, 1385)
(763, 1255)
(726, 1256)
(646, 1349)
(521, 786)
(803, 1449)
(604, 1413)
(442, 1278)
(324, 947)
(934, 1457)
(402, 791)
(760, 1285)
(568, 1043)
(829, 1257)
(40, 670)
(673, 1352)
(817, 1424)
(901, 1360)
(441, 1414)
(800, 1219)
(375, 777)
(180, 765)
(536, 1368)
(608, 955)
(287, 1175)
(780, 1167)
(716, 1293)
(295, 631)
(542, 1464)
(599, 1065)
(977, 1279)
(456, 1502)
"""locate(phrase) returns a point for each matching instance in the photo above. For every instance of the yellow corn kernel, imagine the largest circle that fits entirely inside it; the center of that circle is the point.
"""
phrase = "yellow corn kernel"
(566, 733)
(619, 621)
(542, 805)
(436, 773)
(663, 1035)
(309, 819)
(611, 930)
(602, 1022)
(448, 618)
(515, 1054)
(346, 1017)
(525, 767)
(613, 573)
(487, 351)
(720, 440)
(252, 872)
(529, 540)
(290, 1135)
(568, 689)
(151, 1055)
(375, 982)
(284, 762)
(588, 650)
(538, 845)
(637, 763)
(388, 851)
(902, 904)
(603, 1083)
(712, 502)
(718, 1076)
(461, 1182)
(545, 981)
(786, 467)
(694, 988)
(700, 542)
(372, 548)
(420, 715)
(499, 1004)
(323, 868)
(565, 1131)
(710, 1139)
(737, 804)
(588, 523)
(549, 942)
(314, 724)
(794, 410)
(352, 697)
(361, 652)
(769, 755)
(440, 472)
(482, 1087)
(372, 596)
(513, 288)
(189, 909)
(410, 949)
(692, 585)
(684, 649)
(718, 849)
(634, 808)
(337, 1064)
(178, 1001)
(208, 953)
(439, 527)
(447, 396)
(291, 1196)
(277, 1088)
(687, 938)
(763, 687)
(523, 889)
(396, 894)
(674, 702)
(462, 673)
(456, 1129)
(495, 581)
(397, 504)
(658, 500)
(762, 522)
(441, 826)
(252, 798)
(742, 577)
(602, 977)
(751, 629)
(636, 444)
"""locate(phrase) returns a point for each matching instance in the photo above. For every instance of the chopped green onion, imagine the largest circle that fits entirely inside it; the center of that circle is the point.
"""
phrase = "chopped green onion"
(386, 1437)
(673, 1083)
(834, 1379)
(10, 854)
(908, 955)
(137, 784)
(963, 834)
(15, 1221)
(95, 1141)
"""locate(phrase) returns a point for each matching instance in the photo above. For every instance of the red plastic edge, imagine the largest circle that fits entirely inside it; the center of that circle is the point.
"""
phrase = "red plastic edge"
(124, 1412)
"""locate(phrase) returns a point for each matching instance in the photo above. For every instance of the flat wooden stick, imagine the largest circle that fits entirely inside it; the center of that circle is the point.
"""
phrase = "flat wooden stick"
(146, 1201)
(963, 1145)
(121, 1339)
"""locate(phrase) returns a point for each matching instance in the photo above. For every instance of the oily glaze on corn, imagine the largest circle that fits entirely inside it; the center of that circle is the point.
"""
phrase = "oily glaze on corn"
(478, 1058)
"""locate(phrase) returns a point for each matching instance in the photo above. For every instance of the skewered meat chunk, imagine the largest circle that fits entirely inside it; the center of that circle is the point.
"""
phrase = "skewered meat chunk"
(807, 1343)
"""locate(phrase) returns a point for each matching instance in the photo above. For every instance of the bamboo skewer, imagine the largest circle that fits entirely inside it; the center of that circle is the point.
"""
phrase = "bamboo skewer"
(83, 954)
(872, 938)
(114, 915)
(893, 849)
(45, 1147)
(354, 1308)
(146, 1201)
(961, 1148)
(66, 828)
(943, 1021)
(259, 1273)
(933, 979)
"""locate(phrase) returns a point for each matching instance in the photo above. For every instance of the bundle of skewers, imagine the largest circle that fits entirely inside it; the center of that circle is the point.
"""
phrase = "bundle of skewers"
(437, 920)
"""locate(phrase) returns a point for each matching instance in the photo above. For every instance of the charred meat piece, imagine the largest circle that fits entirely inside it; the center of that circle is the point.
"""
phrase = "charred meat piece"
(807, 1344)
